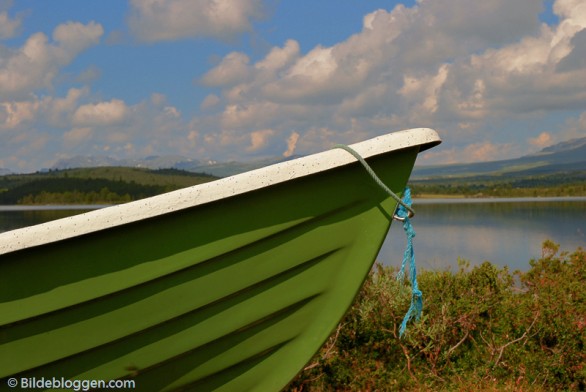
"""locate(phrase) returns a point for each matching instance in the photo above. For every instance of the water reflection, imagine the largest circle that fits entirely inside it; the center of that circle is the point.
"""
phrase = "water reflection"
(504, 232)
(15, 217)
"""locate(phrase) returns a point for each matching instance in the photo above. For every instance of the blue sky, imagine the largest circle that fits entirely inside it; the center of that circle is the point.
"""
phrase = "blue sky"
(248, 79)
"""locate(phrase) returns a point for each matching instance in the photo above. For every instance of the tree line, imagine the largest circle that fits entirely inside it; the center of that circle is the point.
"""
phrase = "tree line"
(544, 186)
(78, 191)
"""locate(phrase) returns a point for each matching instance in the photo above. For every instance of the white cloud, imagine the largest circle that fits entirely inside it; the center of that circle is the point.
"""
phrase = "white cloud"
(315, 66)
(543, 140)
(231, 70)
(423, 92)
(75, 136)
(573, 11)
(8, 27)
(291, 144)
(51, 111)
(574, 127)
(480, 24)
(259, 139)
(163, 20)
(529, 75)
(15, 114)
(108, 113)
(89, 75)
(57, 112)
(279, 58)
(473, 152)
(73, 37)
(485, 151)
(36, 64)
(371, 100)
(210, 101)
(455, 66)
(51, 125)
(251, 115)
(463, 67)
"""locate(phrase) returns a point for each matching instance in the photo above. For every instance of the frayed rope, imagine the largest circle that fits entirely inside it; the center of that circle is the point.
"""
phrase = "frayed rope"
(416, 296)
(403, 213)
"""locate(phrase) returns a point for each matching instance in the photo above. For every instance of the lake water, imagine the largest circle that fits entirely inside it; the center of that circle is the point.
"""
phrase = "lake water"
(504, 231)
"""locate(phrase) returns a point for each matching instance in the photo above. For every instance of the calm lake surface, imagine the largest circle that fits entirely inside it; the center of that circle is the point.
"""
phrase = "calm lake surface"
(504, 231)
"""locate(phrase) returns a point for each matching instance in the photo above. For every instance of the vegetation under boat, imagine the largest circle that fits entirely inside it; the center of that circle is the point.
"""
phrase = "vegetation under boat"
(227, 285)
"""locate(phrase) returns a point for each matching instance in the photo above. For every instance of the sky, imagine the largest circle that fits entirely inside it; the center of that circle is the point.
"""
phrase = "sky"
(249, 79)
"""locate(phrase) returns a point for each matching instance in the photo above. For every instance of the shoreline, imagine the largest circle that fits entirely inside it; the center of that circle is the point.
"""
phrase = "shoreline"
(425, 199)
(51, 207)
(521, 199)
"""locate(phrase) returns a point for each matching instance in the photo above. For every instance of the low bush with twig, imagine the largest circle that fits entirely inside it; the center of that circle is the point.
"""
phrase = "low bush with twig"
(482, 327)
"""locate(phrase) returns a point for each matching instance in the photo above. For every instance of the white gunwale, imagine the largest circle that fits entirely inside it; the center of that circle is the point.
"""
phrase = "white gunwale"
(196, 195)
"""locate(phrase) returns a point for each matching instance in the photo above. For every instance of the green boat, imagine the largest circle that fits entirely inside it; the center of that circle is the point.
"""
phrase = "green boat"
(230, 285)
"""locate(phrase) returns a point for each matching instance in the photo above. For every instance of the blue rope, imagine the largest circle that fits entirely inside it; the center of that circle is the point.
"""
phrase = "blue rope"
(404, 213)
(409, 255)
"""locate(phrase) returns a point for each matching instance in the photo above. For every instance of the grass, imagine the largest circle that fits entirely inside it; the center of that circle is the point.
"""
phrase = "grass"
(483, 328)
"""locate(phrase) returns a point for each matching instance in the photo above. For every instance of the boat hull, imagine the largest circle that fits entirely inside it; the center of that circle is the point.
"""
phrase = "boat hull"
(235, 294)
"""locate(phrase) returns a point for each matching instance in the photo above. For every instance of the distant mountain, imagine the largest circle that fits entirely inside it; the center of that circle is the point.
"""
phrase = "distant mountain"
(225, 169)
(566, 152)
(566, 156)
(568, 146)
(562, 157)
(85, 161)
(219, 169)
(151, 162)
(4, 172)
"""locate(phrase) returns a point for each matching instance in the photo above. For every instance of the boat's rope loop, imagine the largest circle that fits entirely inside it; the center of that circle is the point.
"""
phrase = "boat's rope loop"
(379, 182)
(403, 213)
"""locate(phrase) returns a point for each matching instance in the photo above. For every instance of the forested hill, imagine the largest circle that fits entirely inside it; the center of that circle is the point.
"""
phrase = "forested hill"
(558, 170)
(94, 185)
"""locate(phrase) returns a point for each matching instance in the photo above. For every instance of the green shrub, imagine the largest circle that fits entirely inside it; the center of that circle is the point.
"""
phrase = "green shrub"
(482, 327)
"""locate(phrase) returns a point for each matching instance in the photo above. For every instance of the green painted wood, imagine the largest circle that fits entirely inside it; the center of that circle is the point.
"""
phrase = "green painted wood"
(237, 294)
